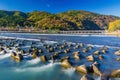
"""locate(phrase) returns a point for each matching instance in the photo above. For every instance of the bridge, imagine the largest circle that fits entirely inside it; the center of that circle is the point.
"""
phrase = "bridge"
(82, 32)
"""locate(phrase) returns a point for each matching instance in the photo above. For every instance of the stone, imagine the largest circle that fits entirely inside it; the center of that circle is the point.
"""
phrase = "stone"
(96, 70)
(118, 59)
(104, 51)
(13, 54)
(84, 50)
(66, 64)
(82, 69)
(115, 73)
(90, 47)
(18, 57)
(3, 52)
(96, 53)
(17, 49)
(43, 58)
(65, 51)
(40, 51)
(34, 55)
(117, 53)
(68, 49)
(51, 49)
(76, 47)
(81, 44)
(77, 52)
(52, 58)
(76, 56)
(1, 49)
(64, 43)
(90, 58)
(100, 57)
(86, 77)
(22, 52)
(62, 47)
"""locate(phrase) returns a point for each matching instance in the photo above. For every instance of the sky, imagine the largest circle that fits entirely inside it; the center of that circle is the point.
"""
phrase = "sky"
(108, 7)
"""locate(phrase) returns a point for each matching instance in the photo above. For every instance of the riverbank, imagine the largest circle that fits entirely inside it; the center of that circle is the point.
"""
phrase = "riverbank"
(116, 33)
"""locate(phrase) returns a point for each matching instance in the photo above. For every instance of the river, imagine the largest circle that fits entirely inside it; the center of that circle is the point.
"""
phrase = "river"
(35, 70)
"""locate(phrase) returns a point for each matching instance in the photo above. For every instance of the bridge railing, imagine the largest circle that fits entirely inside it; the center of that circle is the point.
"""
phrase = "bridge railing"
(83, 32)
(59, 32)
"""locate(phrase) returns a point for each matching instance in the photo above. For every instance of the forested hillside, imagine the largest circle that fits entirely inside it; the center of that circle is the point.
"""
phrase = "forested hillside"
(70, 20)
(114, 26)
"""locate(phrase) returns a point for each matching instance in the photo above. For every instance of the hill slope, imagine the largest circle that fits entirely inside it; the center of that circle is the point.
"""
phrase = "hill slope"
(70, 20)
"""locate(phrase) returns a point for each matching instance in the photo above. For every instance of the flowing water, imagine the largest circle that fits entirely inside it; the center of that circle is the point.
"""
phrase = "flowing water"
(34, 69)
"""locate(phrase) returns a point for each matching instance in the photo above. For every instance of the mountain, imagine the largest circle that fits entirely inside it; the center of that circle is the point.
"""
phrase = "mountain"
(12, 18)
(70, 20)
(88, 20)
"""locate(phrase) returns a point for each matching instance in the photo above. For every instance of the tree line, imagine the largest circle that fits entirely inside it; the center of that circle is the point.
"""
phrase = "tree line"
(70, 20)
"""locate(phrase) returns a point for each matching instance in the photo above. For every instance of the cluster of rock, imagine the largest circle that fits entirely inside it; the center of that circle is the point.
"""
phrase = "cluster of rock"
(70, 55)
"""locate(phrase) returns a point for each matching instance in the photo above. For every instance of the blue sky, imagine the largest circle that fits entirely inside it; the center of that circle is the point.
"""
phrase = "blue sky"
(110, 7)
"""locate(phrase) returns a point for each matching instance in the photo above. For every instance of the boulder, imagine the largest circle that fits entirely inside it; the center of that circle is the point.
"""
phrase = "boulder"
(52, 58)
(104, 51)
(90, 47)
(1, 49)
(66, 57)
(19, 57)
(96, 69)
(86, 77)
(117, 53)
(118, 59)
(104, 48)
(3, 52)
(82, 69)
(58, 52)
(84, 50)
(48, 46)
(100, 57)
(66, 64)
(69, 45)
(13, 54)
(64, 43)
(43, 58)
(76, 56)
(17, 49)
(62, 47)
(90, 58)
(8, 47)
(81, 44)
(68, 49)
(40, 51)
(76, 47)
(96, 53)
(65, 51)
(34, 55)
(22, 52)
(77, 52)
(51, 49)
(115, 73)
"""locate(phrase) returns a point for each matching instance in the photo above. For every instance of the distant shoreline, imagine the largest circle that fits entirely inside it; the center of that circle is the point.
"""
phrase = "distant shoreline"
(37, 32)
(116, 33)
